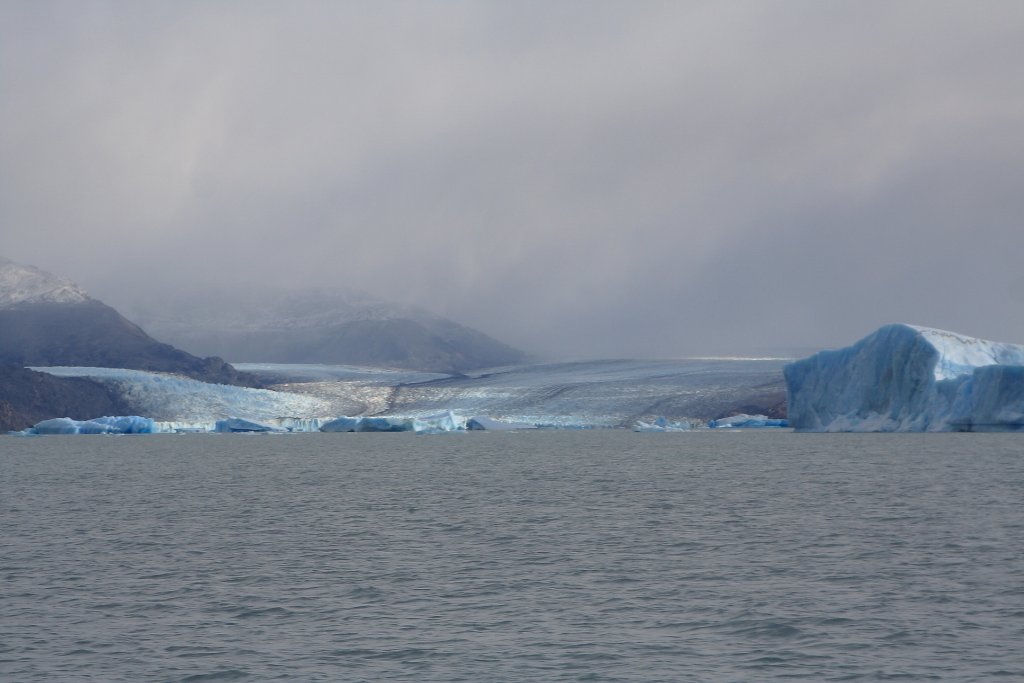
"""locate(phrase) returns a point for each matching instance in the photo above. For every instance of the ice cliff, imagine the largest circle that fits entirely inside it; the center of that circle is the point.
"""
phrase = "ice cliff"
(134, 424)
(904, 378)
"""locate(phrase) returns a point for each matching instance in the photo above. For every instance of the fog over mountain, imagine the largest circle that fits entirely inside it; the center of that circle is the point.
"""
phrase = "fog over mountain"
(576, 179)
(335, 326)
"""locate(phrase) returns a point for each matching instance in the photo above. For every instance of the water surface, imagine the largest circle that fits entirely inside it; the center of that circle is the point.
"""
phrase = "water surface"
(552, 556)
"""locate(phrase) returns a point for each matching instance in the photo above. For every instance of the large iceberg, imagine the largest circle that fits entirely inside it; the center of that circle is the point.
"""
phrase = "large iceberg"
(127, 424)
(423, 424)
(908, 378)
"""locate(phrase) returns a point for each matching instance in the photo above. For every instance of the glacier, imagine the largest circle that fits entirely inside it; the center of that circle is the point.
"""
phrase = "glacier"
(602, 394)
(906, 378)
(168, 397)
(313, 398)
(660, 424)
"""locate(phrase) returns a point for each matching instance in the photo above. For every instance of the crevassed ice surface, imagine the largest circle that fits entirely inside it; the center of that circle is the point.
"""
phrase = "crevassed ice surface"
(960, 355)
(612, 393)
(908, 378)
(166, 397)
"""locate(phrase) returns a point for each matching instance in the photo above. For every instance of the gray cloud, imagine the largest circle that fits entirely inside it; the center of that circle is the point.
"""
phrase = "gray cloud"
(577, 178)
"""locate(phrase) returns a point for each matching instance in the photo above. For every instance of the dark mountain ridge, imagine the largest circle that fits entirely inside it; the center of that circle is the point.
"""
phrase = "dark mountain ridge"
(46, 320)
(27, 397)
(93, 334)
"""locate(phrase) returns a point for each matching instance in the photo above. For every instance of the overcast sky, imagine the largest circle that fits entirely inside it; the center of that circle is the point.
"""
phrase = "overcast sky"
(579, 179)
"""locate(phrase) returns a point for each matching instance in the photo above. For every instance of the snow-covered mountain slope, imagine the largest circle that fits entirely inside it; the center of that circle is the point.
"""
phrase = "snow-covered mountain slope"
(48, 320)
(908, 378)
(335, 326)
(24, 285)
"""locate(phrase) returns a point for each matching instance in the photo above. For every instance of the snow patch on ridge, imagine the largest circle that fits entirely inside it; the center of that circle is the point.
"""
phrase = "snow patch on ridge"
(29, 285)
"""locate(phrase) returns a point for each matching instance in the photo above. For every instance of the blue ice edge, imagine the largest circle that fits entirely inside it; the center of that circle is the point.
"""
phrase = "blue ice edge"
(136, 424)
(446, 422)
(908, 378)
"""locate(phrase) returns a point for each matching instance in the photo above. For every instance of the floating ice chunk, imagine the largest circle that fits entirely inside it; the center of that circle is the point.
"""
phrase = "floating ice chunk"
(480, 423)
(425, 424)
(906, 378)
(438, 424)
(64, 425)
(129, 424)
(662, 425)
(743, 421)
(237, 424)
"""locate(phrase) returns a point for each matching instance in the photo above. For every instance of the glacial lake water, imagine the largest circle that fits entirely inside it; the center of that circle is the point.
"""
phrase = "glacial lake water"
(547, 556)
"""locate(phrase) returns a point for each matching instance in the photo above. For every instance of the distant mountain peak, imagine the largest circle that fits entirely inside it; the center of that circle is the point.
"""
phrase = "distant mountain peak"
(262, 308)
(20, 284)
(317, 325)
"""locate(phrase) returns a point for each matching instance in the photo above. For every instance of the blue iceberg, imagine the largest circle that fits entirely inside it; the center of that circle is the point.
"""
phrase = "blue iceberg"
(341, 424)
(743, 421)
(910, 379)
(234, 425)
(127, 424)
(423, 424)
(487, 424)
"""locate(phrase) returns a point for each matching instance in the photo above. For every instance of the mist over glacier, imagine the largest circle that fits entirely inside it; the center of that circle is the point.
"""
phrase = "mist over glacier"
(577, 179)
(288, 324)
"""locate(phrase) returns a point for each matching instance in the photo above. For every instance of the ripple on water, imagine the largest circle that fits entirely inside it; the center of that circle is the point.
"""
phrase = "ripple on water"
(606, 556)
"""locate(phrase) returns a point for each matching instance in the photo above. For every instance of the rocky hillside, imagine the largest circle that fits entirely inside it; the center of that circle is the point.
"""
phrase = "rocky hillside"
(47, 320)
(26, 397)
